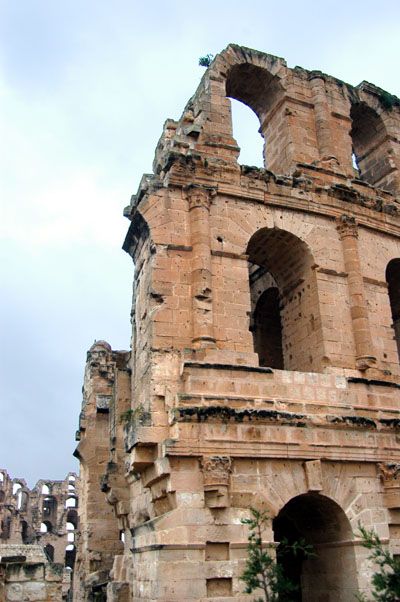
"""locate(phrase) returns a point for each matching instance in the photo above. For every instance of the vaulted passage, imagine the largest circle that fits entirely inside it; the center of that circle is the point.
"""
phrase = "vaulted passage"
(330, 575)
(284, 300)
(267, 329)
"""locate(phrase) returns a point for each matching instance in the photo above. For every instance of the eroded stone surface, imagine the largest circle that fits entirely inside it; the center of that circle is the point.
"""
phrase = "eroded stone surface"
(265, 331)
(46, 515)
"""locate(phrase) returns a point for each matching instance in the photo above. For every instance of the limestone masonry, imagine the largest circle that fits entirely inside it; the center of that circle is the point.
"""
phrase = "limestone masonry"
(37, 538)
(264, 369)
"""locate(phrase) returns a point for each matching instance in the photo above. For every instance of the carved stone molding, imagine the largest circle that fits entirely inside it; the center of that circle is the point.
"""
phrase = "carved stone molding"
(346, 225)
(199, 196)
(216, 470)
(389, 472)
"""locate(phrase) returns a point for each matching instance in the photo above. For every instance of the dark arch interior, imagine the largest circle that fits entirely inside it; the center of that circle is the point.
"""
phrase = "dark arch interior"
(393, 280)
(72, 517)
(267, 329)
(323, 524)
(70, 554)
(284, 313)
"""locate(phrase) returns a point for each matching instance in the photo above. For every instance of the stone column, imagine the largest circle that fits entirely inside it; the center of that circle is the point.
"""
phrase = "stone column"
(365, 357)
(199, 210)
(322, 118)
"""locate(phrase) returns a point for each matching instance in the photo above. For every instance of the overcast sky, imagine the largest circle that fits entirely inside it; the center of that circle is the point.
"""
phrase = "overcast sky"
(85, 87)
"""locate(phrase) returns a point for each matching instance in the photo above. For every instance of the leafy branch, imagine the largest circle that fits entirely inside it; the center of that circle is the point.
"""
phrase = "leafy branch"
(386, 581)
(262, 571)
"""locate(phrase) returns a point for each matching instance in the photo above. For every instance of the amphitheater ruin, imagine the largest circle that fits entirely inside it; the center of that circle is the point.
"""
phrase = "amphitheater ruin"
(264, 364)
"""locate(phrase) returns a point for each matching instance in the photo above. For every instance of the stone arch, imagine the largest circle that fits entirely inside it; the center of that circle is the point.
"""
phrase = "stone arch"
(72, 517)
(368, 133)
(70, 554)
(49, 508)
(393, 281)
(260, 90)
(280, 260)
(332, 574)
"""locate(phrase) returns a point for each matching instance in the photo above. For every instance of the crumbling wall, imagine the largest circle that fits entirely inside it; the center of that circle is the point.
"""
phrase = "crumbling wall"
(27, 574)
(45, 515)
(199, 427)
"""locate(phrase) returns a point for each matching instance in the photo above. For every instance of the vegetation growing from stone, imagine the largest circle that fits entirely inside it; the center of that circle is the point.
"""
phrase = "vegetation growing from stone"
(262, 571)
(386, 581)
(205, 61)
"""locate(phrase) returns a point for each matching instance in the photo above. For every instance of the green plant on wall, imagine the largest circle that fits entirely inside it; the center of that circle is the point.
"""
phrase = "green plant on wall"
(132, 415)
(205, 61)
(262, 571)
(386, 580)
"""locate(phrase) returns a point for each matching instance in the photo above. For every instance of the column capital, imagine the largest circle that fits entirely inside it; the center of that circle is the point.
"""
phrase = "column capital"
(346, 225)
(199, 196)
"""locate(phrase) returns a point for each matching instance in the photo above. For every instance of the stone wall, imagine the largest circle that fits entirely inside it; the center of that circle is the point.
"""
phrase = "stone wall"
(27, 575)
(46, 515)
(204, 417)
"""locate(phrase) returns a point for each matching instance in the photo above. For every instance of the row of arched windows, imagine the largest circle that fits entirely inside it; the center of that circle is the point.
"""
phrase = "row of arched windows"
(285, 315)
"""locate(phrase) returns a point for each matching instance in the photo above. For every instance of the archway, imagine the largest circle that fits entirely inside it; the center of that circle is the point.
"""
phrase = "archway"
(393, 280)
(369, 141)
(331, 575)
(260, 90)
(285, 319)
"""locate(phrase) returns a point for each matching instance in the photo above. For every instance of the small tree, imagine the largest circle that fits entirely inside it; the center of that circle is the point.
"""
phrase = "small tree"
(386, 581)
(262, 570)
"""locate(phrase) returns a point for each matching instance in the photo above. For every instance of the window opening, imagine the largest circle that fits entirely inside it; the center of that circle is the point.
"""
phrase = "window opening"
(393, 280)
(370, 146)
(16, 488)
(246, 132)
(70, 553)
(284, 320)
(46, 527)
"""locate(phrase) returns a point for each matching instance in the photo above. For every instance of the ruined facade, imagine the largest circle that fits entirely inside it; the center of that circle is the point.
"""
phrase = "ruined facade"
(41, 524)
(264, 368)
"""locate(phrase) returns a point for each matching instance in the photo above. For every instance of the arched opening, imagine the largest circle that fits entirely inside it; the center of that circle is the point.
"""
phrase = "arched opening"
(22, 500)
(70, 553)
(72, 518)
(260, 90)
(26, 535)
(331, 574)
(49, 550)
(46, 527)
(45, 490)
(50, 508)
(16, 488)
(284, 301)
(370, 153)
(246, 131)
(1, 478)
(393, 280)
(71, 502)
(267, 329)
